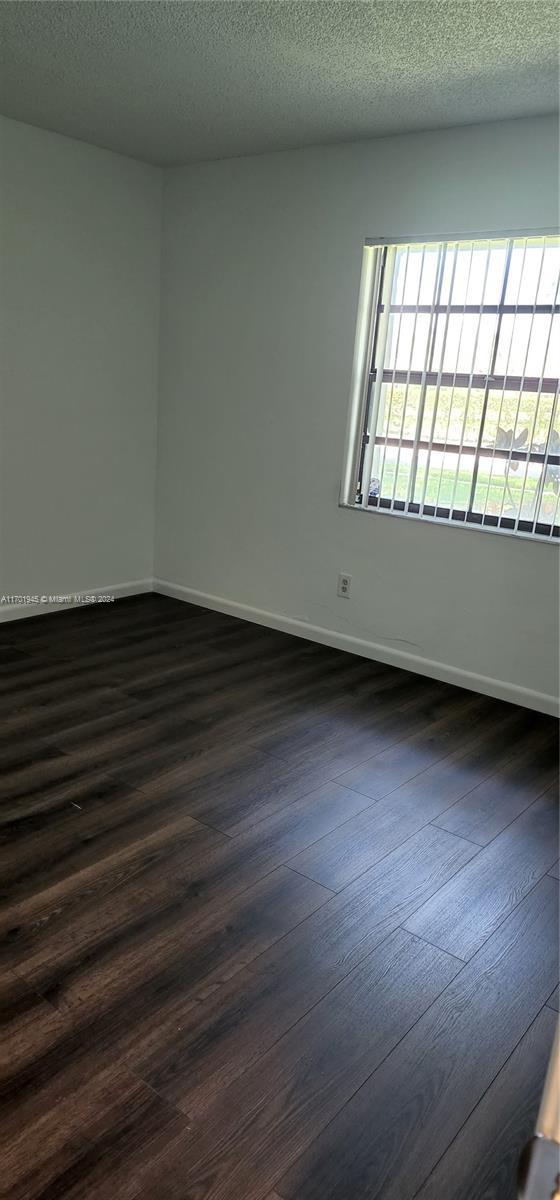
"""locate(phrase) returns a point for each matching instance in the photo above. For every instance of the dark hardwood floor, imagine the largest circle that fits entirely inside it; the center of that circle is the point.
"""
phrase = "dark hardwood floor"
(277, 923)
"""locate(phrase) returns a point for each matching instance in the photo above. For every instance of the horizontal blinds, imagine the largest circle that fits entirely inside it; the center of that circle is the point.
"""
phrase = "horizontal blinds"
(461, 419)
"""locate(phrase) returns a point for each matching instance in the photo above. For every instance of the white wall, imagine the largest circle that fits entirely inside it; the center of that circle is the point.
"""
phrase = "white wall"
(80, 232)
(260, 279)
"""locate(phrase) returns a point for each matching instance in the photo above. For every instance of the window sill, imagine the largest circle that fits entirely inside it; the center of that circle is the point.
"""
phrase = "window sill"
(450, 523)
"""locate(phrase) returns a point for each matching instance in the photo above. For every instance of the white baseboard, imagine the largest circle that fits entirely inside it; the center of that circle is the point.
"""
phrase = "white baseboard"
(77, 599)
(498, 688)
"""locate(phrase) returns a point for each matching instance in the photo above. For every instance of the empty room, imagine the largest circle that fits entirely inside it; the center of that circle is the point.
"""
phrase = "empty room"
(279, 599)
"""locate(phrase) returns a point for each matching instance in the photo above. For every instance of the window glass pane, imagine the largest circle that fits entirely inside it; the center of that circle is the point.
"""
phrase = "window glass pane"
(528, 343)
(420, 276)
(552, 364)
(516, 273)
(541, 428)
(463, 343)
(549, 505)
(456, 484)
(467, 413)
(430, 274)
(472, 291)
(396, 473)
(385, 414)
(527, 269)
(453, 263)
(508, 489)
(463, 270)
(407, 341)
(510, 419)
(411, 280)
(436, 414)
(400, 412)
(399, 332)
(401, 271)
(441, 475)
(526, 486)
(495, 276)
(458, 415)
(479, 274)
(548, 286)
(422, 463)
(491, 497)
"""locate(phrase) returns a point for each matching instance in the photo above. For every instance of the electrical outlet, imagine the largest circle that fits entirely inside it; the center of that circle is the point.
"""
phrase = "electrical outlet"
(344, 585)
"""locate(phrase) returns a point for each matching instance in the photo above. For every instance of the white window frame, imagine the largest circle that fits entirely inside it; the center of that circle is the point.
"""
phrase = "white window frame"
(371, 324)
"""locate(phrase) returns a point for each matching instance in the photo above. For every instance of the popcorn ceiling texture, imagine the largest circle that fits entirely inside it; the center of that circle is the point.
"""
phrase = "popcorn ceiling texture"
(180, 82)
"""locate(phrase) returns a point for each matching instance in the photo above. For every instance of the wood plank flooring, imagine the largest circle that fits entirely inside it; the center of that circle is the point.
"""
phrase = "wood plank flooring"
(276, 922)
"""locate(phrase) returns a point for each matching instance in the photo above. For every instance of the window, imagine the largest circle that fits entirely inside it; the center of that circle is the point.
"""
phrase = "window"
(455, 409)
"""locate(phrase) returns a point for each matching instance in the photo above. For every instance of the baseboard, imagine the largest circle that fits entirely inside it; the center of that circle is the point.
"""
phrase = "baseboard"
(77, 599)
(499, 689)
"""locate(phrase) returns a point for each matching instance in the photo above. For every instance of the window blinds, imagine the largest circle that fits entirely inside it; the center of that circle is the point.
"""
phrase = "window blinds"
(459, 416)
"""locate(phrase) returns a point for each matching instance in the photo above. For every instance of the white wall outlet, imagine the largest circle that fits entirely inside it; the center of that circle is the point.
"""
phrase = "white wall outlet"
(344, 584)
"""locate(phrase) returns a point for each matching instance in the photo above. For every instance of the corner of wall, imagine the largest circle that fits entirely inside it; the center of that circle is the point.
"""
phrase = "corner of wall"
(158, 372)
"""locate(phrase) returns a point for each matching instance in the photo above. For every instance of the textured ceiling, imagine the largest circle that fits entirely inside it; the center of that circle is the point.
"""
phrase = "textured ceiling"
(178, 82)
